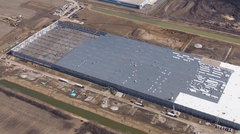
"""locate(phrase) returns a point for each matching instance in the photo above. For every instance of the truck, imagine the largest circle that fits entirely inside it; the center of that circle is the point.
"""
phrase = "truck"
(78, 85)
(139, 104)
(172, 114)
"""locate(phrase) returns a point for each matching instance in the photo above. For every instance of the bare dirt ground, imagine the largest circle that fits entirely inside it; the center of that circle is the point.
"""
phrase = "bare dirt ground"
(222, 15)
(115, 25)
(15, 7)
(156, 38)
(210, 48)
(36, 14)
(19, 117)
(234, 56)
(21, 114)
(133, 29)
(4, 30)
(176, 40)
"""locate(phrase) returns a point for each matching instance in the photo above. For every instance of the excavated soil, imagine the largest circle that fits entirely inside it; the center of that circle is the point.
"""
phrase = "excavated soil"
(223, 15)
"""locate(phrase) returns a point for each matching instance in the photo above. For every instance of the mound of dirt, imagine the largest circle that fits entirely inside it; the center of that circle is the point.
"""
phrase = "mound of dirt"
(153, 38)
(139, 32)
(221, 15)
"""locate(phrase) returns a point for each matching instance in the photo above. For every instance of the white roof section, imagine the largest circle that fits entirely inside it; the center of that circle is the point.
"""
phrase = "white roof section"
(228, 106)
(151, 2)
(136, 2)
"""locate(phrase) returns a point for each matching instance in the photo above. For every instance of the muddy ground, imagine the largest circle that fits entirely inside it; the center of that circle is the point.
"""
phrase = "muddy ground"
(163, 37)
(234, 56)
(134, 29)
(115, 25)
(20, 117)
(21, 114)
(222, 15)
(36, 14)
(210, 48)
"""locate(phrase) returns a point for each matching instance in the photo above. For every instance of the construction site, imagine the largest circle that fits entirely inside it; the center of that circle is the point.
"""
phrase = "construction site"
(83, 60)
(59, 59)
(102, 100)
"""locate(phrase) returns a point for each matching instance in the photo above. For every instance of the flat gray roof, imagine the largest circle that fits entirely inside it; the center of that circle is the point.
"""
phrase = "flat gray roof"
(150, 69)
(187, 80)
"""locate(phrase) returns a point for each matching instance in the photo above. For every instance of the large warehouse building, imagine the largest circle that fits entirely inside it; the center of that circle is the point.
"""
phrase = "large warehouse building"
(130, 3)
(198, 86)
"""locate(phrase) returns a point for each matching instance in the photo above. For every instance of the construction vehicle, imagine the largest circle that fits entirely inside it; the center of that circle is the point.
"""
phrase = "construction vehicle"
(113, 92)
(13, 21)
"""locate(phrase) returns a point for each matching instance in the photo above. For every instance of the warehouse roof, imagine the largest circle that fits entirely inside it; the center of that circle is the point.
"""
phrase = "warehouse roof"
(228, 106)
(149, 69)
(199, 83)
(136, 2)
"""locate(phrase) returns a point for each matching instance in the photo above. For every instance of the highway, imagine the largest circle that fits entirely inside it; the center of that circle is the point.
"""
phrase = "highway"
(170, 26)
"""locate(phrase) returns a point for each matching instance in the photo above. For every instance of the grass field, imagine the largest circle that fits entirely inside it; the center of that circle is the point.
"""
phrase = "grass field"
(70, 108)
(170, 26)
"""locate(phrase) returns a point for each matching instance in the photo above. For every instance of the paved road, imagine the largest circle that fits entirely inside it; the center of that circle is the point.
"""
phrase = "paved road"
(170, 26)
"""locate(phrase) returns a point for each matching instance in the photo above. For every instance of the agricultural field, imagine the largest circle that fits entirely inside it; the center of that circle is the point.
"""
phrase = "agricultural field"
(23, 118)
(22, 115)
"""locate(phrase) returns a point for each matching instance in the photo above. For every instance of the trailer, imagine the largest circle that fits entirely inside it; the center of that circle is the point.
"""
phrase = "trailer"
(78, 85)
(63, 80)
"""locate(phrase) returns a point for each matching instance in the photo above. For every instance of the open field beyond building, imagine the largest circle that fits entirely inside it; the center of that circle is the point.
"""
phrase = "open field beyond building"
(220, 15)
(170, 26)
